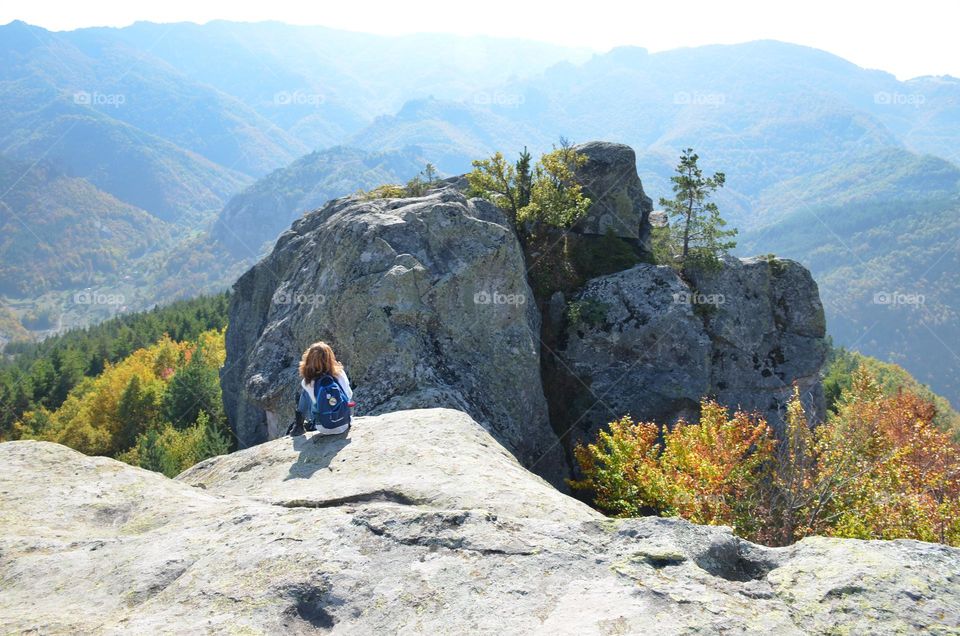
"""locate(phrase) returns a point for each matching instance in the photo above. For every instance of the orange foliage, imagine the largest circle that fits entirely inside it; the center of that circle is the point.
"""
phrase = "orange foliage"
(701, 471)
(879, 468)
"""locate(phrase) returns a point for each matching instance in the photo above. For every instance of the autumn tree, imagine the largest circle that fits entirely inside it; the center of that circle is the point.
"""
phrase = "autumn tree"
(622, 471)
(556, 199)
(878, 468)
(495, 179)
(703, 472)
(712, 465)
(896, 474)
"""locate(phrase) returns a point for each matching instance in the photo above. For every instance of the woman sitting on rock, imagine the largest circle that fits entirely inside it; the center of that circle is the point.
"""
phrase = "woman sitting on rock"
(324, 402)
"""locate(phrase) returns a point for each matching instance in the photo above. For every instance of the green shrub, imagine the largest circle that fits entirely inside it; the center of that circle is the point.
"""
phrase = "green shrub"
(587, 311)
(171, 451)
(416, 187)
(545, 195)
(387, 191)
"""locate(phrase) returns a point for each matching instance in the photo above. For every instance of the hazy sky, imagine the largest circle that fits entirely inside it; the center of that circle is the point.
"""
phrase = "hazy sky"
(912, 38)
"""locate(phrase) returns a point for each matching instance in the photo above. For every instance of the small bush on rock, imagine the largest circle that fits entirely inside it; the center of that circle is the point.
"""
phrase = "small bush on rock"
(587, 311)
(544, 194)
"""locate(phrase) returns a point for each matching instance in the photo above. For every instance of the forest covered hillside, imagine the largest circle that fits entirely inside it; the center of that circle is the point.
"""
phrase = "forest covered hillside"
(224, 133)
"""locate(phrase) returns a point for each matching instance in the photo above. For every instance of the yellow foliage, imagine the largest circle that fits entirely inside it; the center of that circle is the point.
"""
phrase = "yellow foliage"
(701, 471)
(878, 469)
(89, 421)
(894, 473)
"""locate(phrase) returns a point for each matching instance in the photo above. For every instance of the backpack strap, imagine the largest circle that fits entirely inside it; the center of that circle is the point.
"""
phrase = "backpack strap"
(316, 383)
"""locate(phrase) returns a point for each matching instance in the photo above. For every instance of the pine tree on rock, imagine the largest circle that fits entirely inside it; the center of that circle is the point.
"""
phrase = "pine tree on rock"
(696, 235)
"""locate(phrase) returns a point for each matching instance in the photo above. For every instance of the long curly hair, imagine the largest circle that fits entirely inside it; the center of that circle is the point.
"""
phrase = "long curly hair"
(317, 361)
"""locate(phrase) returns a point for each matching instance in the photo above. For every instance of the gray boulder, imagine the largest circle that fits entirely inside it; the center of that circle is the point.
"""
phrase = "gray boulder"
(743, 334)
(647, 356)
(90, 545)
(424, 300)
(767, 334)
(618, 202)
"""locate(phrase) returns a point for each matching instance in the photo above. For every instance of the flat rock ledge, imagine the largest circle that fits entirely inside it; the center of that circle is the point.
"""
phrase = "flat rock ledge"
(414, 522)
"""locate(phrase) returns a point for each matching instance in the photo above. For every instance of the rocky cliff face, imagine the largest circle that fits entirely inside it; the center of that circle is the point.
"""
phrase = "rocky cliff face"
(743, 334)
(438, 532)
(648, 343)
(768, 333)
(425, 301)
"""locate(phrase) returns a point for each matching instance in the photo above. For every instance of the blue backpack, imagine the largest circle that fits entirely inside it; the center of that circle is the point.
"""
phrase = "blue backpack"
(331, 410)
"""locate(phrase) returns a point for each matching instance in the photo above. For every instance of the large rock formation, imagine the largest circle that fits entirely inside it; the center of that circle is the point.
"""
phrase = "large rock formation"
(618, 202)
(425, 301)
(370, 534)
(768, 333)
(640, 353)
(743, 334)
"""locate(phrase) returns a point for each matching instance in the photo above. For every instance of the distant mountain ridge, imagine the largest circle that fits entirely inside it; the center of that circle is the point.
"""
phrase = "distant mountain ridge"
(880, 236)
(172, 120)
(177, 120)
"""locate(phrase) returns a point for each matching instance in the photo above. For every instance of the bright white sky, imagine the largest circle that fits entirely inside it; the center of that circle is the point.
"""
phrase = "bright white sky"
(912, 38)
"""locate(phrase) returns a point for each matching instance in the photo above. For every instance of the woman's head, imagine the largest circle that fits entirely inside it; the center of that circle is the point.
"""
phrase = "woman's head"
(318, 360)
